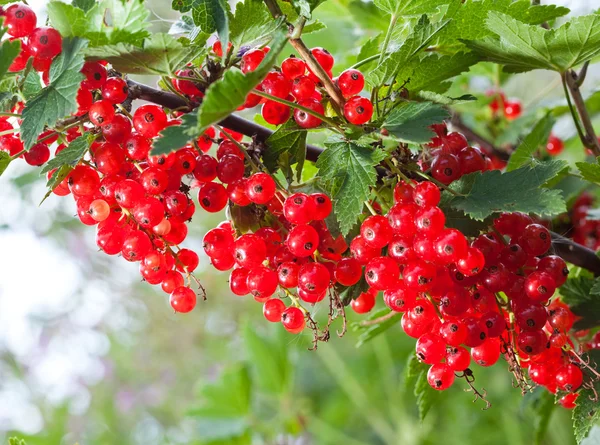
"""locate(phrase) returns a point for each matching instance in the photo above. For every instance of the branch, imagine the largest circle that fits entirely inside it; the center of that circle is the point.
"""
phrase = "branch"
(486, 145)
(233, 122)
(567, 249)
(573, 82)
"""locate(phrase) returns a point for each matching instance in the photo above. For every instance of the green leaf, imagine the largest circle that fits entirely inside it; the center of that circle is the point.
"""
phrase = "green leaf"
(16, 441)
(368, 49)
(590, 172)
(521, 47)
(58, 99)
(543, 408)
(209, 15)
(432, 72)
(129, 21)
(524, 153)
(587, 412)
(368, 333)
(350, 171)
(410, 123)
(577, 293)
(520, 190)
(32, 85)
(159, 55)
(86, 5)
(421, 34)
(288, 139)
(228, 397)
(468, 16)
(406, 8)
(70, 155)
(8, 51)
(269, 358)
(57, 177)
(224, 96)
(416, 374)
(175, 137)
(446, 100)
(252, 24)
(4, 161)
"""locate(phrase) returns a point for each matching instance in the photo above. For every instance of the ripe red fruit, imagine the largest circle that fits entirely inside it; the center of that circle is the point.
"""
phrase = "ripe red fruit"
(136, 246)
(532, 342)
(287, 274)
(535, 239)
(440, 376)
(273, 309)
(37, 155)
(212, 197)
(450, 246)
(430, 221)
(488, 353)
(298, 208)
(218, 243)
(302, 241)
(292, 320)
(303, 88)
(83, 181)
(556, 267)
(293, 67)
(101, 113)
(251, 59)
(19, 19)
(555, 145)
(512, 109)
(358, 110)
(453, 332)
(275, 113)
(382, 273)
(182, 299)
(115, 90)
(95, 75)
(260, 188)
(250, 250)
(430, 348)
(348, 271)
(458, 358)
(148, 212)
(128, 193)
(363, 303)
(313, 278)
(399, 298)
(376, 231)
(149, 120)
(426, 194)
(45, 42)
(445, 168)
(262, 282)
(351, 82)
(307, 120)
(540, 286)
(569, 377)
(471, 263)
(324, 57)
(238, 281)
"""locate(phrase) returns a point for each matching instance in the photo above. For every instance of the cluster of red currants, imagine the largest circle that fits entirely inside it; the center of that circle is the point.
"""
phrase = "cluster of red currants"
(451, 157)
(41, 43)
(295, 82)
(511, 108)
(296, 252)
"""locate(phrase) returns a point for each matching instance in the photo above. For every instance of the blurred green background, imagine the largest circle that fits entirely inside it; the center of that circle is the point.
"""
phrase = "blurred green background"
(90, 355)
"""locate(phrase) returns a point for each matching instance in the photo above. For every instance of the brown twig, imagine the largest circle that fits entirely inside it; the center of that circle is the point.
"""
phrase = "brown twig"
(379, 319)
(573, 81)
(467, 374)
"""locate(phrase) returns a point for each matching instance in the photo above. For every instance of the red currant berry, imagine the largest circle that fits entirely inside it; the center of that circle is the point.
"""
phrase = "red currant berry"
(101, 113)
(440, 376)
(351, 82)
(275, 113)
(358, 110)
(488, 353)
(20, 20)
(260, 188)
(45, 42)
(382, 273)
(95, 75)
(458, 358)
(569, 377)
(212, 197)
(376, 231)
(250, 250)
(273, 309)
(323, 57)
(149, 120)
(115, 90)
(348, 271)
(293, 67)
(262, 282)
(306, 120)
(183, 299)
(363, 303)
(238, 281)
(303, 240)
(292, 320)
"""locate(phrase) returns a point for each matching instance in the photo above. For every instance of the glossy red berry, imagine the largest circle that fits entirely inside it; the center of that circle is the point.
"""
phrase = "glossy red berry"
(238, 281)
(363, 303)
(260, 188)
(445, 168)
(488, 353)
(212, 197)
(348, 271)
(273, 309)
(540, 286)
(555, 145)
(440, 376)
(324, 58)
(532, 342)
(95, 75)
(149, 120)
(351, 82)
(307, 120)
(569, 377)
(376, 231)
(313, 278)
(287, 274)
(458, 358)
(303, 240)
(358, 110)
(115, 90)
(20, 20)
(430, 348)
(250, 250)
(535, 239)
(512, 109)
(183, 299)
(450, 246)
(322, 206)
(471, 263)
(362, 251)
(275, 113)
(293, 67)
(382, 273)
(303, 88)
(101, 113)
(251, 59)
(292, 320)
(136, 246)
(37, 155)
(262, 282)
(45, 42)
